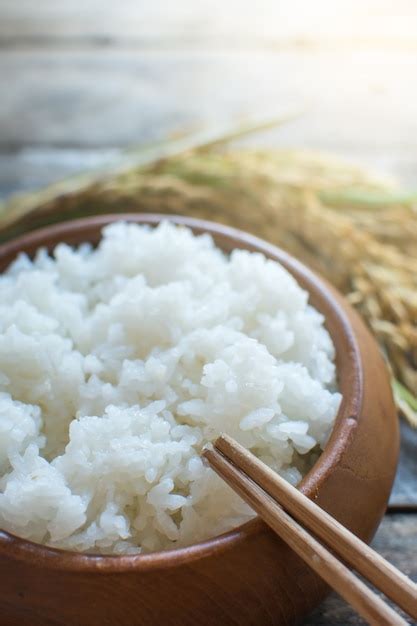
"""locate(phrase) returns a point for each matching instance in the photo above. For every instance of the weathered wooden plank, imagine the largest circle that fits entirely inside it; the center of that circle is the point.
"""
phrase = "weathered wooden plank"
(361, 100)
(404, 493)
(187, 22)
(28, 169)
(396, 540)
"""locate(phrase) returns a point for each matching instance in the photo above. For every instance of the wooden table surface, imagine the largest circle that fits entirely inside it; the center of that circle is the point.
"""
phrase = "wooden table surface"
(82, 81)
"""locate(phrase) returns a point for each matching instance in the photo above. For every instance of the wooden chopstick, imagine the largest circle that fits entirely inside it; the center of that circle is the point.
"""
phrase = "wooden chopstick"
(393, 583)
(335, 573)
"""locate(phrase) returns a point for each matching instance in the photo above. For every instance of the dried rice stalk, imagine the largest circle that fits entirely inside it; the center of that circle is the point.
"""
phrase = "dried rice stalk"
(355, 229)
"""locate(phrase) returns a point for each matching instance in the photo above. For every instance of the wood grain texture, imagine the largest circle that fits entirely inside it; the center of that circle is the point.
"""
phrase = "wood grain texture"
(187, 22)
(82, 77)
(396, 540)
(115, 97)
(404, 493)
(251, 486)
(241, 469)
(247, 576)
(29, 168)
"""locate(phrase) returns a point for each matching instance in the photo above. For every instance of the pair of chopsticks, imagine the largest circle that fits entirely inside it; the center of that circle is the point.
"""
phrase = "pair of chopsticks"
(291, 515)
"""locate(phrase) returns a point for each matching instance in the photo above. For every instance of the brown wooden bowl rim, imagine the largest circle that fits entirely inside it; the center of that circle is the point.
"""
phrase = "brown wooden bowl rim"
(55, 558)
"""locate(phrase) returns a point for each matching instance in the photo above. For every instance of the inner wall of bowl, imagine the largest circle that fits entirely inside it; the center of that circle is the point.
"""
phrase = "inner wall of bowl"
(322, 296)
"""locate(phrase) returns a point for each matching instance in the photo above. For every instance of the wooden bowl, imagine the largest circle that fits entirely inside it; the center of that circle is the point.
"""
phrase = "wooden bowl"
(246, 576)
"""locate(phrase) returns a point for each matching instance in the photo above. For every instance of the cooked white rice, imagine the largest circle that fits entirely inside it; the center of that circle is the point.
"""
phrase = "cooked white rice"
(117, 365)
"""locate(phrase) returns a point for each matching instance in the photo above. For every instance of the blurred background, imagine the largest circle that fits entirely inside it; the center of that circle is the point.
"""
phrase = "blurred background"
(84, 79)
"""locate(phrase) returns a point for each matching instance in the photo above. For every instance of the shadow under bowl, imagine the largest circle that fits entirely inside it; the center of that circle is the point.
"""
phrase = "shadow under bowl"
(246, 576)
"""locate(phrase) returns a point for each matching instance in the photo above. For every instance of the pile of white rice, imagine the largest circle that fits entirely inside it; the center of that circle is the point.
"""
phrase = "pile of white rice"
(117, 365)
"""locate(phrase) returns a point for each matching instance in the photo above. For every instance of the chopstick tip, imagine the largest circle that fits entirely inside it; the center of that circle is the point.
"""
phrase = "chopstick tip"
(205, 453)
(223, 437)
